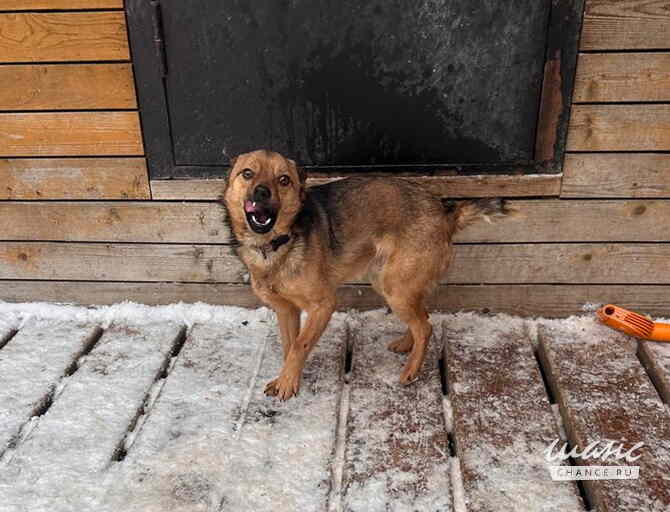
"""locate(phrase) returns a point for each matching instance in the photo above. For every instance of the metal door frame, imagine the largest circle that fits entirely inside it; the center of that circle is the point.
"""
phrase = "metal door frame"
(150, 67)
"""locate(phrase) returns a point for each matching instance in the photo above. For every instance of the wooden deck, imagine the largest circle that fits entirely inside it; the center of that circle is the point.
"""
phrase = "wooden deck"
(161, 416)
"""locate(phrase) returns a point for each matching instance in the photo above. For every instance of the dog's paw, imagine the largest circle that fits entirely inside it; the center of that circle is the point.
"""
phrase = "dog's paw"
(409, 374)
(402, 345)
(283, 387)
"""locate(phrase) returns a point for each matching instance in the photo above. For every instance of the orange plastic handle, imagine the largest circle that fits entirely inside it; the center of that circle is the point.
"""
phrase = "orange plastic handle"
(633, 323)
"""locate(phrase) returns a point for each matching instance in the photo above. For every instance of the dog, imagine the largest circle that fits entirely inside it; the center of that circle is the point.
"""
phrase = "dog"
(301, 243)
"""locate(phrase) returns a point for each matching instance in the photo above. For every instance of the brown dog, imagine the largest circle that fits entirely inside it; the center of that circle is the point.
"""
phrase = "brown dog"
(301, 244)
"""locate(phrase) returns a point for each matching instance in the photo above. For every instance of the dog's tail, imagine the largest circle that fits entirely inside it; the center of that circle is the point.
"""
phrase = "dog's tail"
(467, 212)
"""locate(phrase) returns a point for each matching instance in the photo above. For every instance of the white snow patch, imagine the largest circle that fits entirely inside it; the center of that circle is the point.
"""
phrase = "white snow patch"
(124, 313)
(457, 491)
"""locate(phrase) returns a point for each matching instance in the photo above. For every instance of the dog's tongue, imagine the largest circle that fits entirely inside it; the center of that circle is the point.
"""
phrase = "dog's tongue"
(249, 207)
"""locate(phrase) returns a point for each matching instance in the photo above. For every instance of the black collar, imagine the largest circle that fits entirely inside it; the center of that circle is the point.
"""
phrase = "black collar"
(274, 244)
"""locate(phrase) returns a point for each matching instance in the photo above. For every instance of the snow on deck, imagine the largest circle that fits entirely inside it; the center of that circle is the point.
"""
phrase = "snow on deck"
(136, 408)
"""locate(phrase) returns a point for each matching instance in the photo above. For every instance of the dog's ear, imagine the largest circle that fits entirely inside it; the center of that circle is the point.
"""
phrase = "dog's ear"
(302, 173)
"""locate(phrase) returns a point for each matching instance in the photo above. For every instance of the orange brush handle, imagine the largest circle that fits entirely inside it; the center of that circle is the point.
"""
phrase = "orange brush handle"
(661, 332)
(633, 323)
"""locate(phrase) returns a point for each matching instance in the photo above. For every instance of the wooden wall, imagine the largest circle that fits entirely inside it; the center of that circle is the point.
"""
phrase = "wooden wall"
(80, 221)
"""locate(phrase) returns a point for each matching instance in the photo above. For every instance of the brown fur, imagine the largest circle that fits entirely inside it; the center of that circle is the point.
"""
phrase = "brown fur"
(389, 229)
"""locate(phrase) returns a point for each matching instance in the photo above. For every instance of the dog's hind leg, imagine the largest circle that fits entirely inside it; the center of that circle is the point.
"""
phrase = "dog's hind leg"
(404, 283)
(403, 344)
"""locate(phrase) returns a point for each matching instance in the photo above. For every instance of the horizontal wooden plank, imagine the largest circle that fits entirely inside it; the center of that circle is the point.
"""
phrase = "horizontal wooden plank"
(70, 133)
(114, 222)
(446, 186)
(621, 77)
(28, 5)
(74, 178)
(472, 264)
(502, 421)
(604, 394)
(525, 300)
(616, 175)
(67, 87)
(119, 262)
(537, 220)
(63, 37)
(556, 220)
(625, 24)
(619, 128)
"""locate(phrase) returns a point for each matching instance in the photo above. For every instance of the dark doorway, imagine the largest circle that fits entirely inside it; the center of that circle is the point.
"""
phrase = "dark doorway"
(390, 85)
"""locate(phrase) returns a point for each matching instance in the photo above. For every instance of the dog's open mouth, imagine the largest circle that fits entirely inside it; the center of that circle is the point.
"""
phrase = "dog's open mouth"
(260, 217)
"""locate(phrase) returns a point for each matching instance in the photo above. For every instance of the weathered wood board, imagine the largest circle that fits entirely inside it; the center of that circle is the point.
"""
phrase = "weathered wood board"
(141, 262)
(46, 350)
(67, 87)
(446, 186)
(180, 447)
(114, 222)
(533, 221)
(63, 37)
(625, 24)
(622, 77)
(472, 264)
(86, 425)
(397, 449)
(502, 420)
(619, 128)
(592, 175)
(604, 394)
(28, 5)
(74, 178)
(263, 455)
(656, 359)
(70, 134)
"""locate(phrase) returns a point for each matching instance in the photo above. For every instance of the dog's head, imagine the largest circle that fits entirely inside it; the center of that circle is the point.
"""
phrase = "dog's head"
(264, 193)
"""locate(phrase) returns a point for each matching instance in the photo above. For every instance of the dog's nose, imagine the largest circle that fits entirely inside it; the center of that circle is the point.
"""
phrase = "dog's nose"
(261, 193)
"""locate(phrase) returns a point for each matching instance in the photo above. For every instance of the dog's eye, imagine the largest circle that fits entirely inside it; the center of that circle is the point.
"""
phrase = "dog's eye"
(284, 180)
(247, 174)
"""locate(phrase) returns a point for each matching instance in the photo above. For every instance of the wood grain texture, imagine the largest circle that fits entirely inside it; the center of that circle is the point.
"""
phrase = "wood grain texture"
(446, 186)
(616, 175)
(524, 300)
(119, 262)
(27, 5)
(70, 133)
(553, 220)
(604, 394)
(619, 128)
(472, 264)
(502, 421)
(63, 37)
(622, 77)
(67, 87)
(74, 178)
(537, 220)
(656, 359)
(625, 24)
(405, 464)
(114, 222)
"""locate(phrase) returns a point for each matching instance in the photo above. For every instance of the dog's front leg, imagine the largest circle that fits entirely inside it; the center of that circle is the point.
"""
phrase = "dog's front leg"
(288, 382)
(288, 317)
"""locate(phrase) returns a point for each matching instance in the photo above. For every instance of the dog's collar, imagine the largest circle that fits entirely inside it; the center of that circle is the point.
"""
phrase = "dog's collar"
(274, 245)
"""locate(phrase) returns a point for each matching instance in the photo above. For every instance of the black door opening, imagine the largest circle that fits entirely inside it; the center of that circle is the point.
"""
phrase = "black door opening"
(387, 85)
